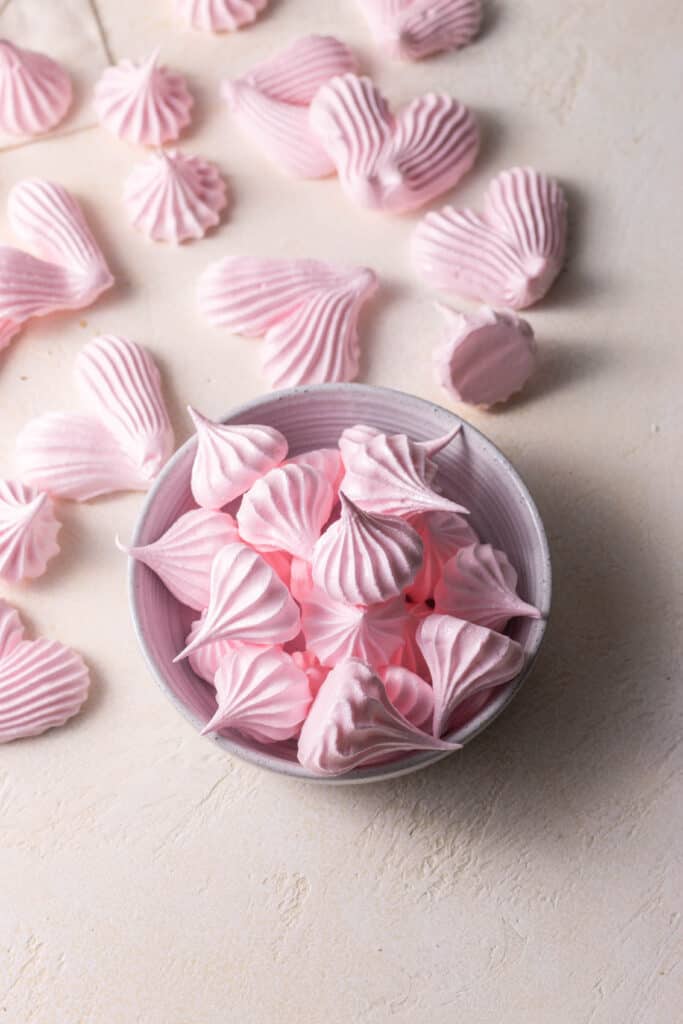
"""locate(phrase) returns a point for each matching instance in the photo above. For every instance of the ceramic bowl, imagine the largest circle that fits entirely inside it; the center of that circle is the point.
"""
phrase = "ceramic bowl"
(470, 469)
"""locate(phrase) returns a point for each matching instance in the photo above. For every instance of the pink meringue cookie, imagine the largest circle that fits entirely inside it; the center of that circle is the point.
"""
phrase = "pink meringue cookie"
(442, 534)
(508, 256)
(486, 356)
(262, 693)
(143, 103)
(480, 585)
(206, 660)
(35, 91)
(409, 693)
(365, 558)
(315, 672)
(248, 602)
(326, 461)
(409, 655)
(270, 103)
(71, 272)
(335, 631)
(301, 583)
(220, 15)
(393, 163)
(352, 722)
(463, 659)
(182, 557)
(11, 628)
(286, 510)
(230, 458)
(355, 436)
(173, 197)
(413, 29)
(28, 531)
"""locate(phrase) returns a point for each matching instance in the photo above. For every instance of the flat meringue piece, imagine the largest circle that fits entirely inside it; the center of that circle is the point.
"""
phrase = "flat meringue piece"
(365, 558)
(393, 163)
(35, 91)
(479, 584)
(206, 660)
(410, 694)
(463, 659)
(220, 15)
(11, 628)
(182, 557)
(352, 722)
(28, 531)
(173, 197)
(335, 631)
(270, 103)
(442, 534)
(248, 602)
(507, 256)
(413, 29)
(262, 693)
(229, 459)
(143, 103)
(286, 510)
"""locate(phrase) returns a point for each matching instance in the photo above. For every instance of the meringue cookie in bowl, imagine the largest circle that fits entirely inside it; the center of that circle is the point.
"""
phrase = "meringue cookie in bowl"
(143, 103)
(206, 660)
(28, 531)
(410, 694)
(303, 499)
(479, 584)
(220, 15)
(443, 534)
(413, 29)
(35, 91)
(335, 631)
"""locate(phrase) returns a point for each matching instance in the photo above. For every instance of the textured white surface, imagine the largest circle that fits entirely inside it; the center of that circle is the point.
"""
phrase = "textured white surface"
(536, 877)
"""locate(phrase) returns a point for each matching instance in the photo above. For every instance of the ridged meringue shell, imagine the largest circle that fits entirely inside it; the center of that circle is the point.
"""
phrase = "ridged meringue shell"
(28, 531)
(315, 672)
(229, 459)
(173, 197)
(352, 722)
(335, 631)
(286, 510)
(352, 437)
(508, 256)
(182, 557)
(11, 628)
(326, 461)
(365, 558)
(206, 660)
(220, 15)
(413, 29)
(35, 91)
(270, 103)
(443, 534)
(143, 103)
(393, 163)
(480, 585)
(463, 659)
(248, 602)
(409, 693)
(262, 694)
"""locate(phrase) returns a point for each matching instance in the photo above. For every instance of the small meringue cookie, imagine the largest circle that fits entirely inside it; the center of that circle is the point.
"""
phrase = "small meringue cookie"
(413, 29)
(443, 534)
(220, 15)
(35, 91)
(28, 532)
(335, 631)
(182, 557)
(463, 659)
(11, 628)
(143, 103)
(480, 585)
(315, 672)
(410, 694)
(365, 558)
(231, 458)
(352, 722)
(206, 660)
(302, 500)
(261, 693)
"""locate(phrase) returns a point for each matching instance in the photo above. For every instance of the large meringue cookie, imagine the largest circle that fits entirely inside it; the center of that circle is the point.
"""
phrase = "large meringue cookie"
(71, 271)
(508, 256)
(365, 558)
(335, 631)
(206, 660)
(352, 722)
(480, 585)
(393, 163)
(220, 15)
(413, 29)
(248, 602)
(28, 531)
(173, 197)
(35, 92)
(442, 534)
(286, 510)
(485, 357)
(182, 557)
(464, 659)
(410, 694)
(271, 103)
(262, 694)
(143, 103)
(11, 628)
(229, 459)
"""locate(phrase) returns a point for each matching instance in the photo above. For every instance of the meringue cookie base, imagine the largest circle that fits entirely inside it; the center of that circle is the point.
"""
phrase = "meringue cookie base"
(474, 472)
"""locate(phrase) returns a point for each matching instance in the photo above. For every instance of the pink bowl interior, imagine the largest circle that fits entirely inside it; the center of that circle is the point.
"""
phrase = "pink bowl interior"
(471, 470)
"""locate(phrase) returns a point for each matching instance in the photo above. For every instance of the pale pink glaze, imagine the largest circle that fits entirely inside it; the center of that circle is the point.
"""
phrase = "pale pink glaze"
(143, 103)
(28, 531)
(286, 510)
(479, 584)
(393, 162)
(220, 15)
(443, 534)
(335, 631)
(35, 91)
(173, 197)
(413, 29)
(409, 693)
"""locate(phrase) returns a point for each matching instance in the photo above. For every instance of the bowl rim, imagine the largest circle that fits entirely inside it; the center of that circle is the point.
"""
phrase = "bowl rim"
(403, 765)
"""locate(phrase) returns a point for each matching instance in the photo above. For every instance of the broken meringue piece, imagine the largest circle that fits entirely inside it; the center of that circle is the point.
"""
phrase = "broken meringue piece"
(230, 458)
(262, 693)
(463, 659)
(507, 256)
(393, 163)
(28, 531)
(173, 197)
(365, 558)
(143, 103)
(442, 534)
(11, 628)
(480, 585)
(286, 510)
(335, 631)
(413, 29)
(409, 693)
(220, 15)
(352, 722)
(35, 91)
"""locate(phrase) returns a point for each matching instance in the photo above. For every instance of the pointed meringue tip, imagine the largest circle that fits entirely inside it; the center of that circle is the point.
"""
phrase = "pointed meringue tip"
(196, 417)
(150, 62)
(437, 444)
(183, 654)
(209, 727)
(124, 548)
